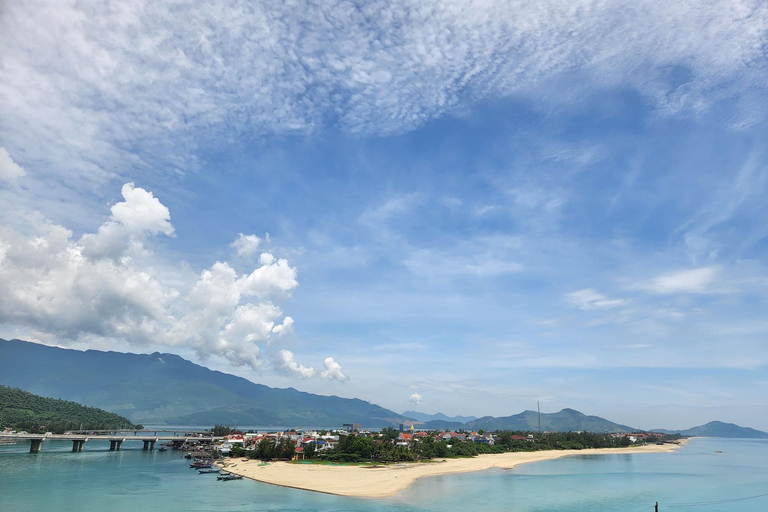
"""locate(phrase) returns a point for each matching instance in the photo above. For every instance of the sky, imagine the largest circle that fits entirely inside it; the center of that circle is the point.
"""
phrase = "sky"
(458, 207)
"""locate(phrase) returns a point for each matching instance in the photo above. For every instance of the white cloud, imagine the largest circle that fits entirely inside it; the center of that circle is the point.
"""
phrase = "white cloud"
(332, 370)
(415, 399)
(109, 285)
(290, 364)
(696, 280)
(273, 278)
(285, 328)
(9, 170)
(246, 245)
(590, 299)
(85, 82)
(142, 212)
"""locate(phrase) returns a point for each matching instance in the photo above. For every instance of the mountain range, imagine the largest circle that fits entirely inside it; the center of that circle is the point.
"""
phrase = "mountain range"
(719, 429)
(167, 389)
(424, 417)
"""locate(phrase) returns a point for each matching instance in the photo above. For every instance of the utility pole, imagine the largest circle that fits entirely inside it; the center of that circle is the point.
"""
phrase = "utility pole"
(538, 407)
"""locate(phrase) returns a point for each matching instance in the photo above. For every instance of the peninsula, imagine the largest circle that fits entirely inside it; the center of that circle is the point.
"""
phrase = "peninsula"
(387, 480)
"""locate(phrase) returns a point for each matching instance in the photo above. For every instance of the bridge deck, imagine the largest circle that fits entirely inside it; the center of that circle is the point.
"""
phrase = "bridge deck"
(106, 437)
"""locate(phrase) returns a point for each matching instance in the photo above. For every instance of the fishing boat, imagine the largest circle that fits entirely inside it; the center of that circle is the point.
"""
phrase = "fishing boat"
(209, 470)
(229, 477)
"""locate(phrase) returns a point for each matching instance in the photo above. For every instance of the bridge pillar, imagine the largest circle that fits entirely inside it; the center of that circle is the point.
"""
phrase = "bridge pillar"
(77, 445)
(119, 444)
(146, 445)
(112, 446)
(35, 445)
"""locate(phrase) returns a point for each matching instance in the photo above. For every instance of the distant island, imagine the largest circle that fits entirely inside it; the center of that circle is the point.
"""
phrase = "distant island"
(23, 411)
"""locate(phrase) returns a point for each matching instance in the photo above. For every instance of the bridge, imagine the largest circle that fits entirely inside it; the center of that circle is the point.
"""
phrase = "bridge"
(115, 438)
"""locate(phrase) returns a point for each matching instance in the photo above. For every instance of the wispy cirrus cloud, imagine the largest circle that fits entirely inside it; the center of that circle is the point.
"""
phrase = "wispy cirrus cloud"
(105, 88)
(591, 299)
(697, 280)
(9, 170)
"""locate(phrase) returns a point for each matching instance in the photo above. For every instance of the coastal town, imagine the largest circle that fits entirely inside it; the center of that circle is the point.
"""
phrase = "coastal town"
(368, 463)
(351, 444)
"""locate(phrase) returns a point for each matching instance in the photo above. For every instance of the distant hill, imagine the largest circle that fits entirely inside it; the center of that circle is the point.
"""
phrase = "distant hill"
(167, 389)
(421, 416)
(25, 411)
(443, 425)
(719, 429)
(566, 420)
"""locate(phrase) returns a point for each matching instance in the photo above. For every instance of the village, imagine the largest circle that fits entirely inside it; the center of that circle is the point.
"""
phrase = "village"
(352, 444)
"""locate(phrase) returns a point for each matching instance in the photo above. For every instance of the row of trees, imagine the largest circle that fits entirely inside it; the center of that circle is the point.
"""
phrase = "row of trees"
(266, 449)
(353, 448)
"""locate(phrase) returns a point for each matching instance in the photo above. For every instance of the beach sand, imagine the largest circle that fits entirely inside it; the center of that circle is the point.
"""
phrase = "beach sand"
(382, 481)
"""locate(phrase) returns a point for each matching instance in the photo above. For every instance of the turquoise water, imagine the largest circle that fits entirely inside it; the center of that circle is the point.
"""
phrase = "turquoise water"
(131, 479)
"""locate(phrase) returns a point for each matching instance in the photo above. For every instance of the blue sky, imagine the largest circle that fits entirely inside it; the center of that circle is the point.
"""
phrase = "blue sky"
(444, 207)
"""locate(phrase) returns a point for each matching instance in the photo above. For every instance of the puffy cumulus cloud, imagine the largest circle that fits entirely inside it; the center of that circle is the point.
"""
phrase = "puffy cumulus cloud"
(285, 328)
(142, 212)
(109, 285)
(332, 370)
(246, 245)
(87, 82)
(9, 170)
(590, 299)
(273, 278)
(289, 364)
(415, 399)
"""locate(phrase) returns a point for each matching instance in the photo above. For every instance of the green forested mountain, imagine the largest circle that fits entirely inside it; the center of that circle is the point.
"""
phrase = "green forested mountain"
(24, 411)
(720, 429)
(567, 420)
(167, 389)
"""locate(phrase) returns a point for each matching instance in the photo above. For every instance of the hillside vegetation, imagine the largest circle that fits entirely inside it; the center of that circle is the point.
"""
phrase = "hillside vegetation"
(167, 389)
(25, 411)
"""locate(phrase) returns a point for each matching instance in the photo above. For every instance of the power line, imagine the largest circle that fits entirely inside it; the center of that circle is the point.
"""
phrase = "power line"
(715, 502)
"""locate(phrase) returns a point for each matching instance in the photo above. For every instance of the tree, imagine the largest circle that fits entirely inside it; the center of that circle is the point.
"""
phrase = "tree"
(220, 430)
(310, 450)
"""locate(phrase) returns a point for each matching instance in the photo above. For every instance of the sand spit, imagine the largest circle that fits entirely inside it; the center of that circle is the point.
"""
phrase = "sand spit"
(382, 481)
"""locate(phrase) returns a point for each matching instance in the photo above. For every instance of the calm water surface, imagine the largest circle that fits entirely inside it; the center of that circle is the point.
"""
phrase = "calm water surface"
(131, 479)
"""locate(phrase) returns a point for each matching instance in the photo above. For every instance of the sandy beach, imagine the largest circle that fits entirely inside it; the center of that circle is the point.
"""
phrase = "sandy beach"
(378, 482)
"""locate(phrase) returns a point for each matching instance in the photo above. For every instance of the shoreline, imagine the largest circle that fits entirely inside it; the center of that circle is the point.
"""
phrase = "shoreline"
(387, 481)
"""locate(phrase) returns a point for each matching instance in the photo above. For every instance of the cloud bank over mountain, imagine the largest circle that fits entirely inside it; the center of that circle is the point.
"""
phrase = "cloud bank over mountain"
(111, 285)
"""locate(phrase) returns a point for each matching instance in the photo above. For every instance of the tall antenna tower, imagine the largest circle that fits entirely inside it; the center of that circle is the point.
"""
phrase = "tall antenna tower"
(538, 407)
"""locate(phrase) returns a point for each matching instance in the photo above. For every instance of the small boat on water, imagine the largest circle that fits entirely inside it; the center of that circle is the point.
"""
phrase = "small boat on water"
(718, 451)
(209, 470)
(229, 476)
(163, 449)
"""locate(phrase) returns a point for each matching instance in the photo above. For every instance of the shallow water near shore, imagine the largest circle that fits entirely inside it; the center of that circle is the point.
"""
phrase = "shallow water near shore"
(131, 479)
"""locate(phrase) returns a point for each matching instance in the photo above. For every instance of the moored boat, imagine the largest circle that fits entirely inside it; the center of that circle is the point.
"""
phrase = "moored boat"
(229, 477)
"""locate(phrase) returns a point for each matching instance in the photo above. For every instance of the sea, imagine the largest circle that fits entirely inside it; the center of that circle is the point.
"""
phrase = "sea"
(707, 474)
